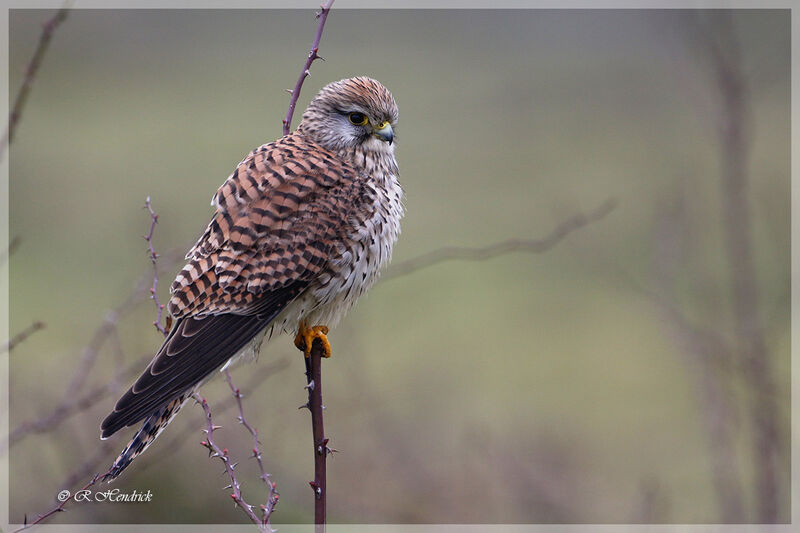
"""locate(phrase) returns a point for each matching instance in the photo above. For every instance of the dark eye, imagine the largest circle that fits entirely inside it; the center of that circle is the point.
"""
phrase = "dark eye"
(359, 119)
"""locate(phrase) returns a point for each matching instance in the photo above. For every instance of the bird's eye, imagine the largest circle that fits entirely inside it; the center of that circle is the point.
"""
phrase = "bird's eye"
(359, 119)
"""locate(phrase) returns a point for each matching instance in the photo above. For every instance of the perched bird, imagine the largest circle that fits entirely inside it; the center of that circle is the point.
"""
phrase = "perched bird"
(302, 228)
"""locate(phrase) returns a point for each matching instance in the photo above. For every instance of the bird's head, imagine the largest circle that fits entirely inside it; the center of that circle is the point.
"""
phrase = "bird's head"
(352, 113)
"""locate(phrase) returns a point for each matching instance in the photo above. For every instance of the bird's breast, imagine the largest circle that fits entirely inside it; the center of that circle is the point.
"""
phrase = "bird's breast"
(375, 227)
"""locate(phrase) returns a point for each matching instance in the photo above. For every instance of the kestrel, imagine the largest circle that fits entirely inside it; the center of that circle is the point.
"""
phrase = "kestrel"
(302, 228)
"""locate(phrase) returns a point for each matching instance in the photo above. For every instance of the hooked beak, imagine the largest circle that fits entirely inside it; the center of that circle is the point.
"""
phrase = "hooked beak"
(384, 132)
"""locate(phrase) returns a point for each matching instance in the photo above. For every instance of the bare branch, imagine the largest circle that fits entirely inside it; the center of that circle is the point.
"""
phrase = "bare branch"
(154, 258)
(469, 253)
(711, 361)
(22, 335)
(312, 56)
(321, 449)
(258, 378)
(222, 453)
(272, 500)
(722, 48)
(57, 509)
(69, 405)
(67, 408)
(30, 73)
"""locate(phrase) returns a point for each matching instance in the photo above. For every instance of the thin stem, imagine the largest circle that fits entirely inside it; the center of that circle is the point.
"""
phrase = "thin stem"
(21, 336)
(57, 509)
(321, 449)
(735, 142)
(30, 74)
(312, 56)
(272, 499)
(448, 253)
(154, 259)
(222, 453)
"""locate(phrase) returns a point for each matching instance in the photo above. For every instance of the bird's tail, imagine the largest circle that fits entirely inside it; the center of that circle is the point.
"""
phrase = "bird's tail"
(150, 430)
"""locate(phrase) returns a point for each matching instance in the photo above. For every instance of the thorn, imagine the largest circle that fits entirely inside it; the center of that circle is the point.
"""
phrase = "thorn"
(305, 406)
(226, 487)
(290, 91)
(310, 385)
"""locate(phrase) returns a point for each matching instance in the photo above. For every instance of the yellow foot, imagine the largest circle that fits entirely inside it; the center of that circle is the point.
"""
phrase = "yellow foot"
(305, 339)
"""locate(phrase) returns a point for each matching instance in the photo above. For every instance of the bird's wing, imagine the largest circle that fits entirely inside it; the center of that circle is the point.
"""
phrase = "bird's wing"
(280, 217)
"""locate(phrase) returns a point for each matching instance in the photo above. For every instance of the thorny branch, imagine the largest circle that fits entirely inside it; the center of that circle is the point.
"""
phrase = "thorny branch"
(312, 56)
(448, 253)
(272, 501)
(30, 73)
(321, 449)
(57, 509)
(222, 453)
(108, 447)
(257, 380)
(154, 258)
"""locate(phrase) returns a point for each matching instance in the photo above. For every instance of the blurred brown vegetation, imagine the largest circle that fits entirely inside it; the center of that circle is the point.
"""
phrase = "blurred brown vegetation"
(637, 372)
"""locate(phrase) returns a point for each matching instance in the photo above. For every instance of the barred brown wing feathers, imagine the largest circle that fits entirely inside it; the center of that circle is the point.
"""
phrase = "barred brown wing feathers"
(277, 218)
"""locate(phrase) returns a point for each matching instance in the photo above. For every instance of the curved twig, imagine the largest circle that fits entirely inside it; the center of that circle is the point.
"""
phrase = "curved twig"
(470, 253)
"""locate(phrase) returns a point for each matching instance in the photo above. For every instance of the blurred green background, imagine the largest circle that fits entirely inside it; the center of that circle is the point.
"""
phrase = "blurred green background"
(526, 388)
